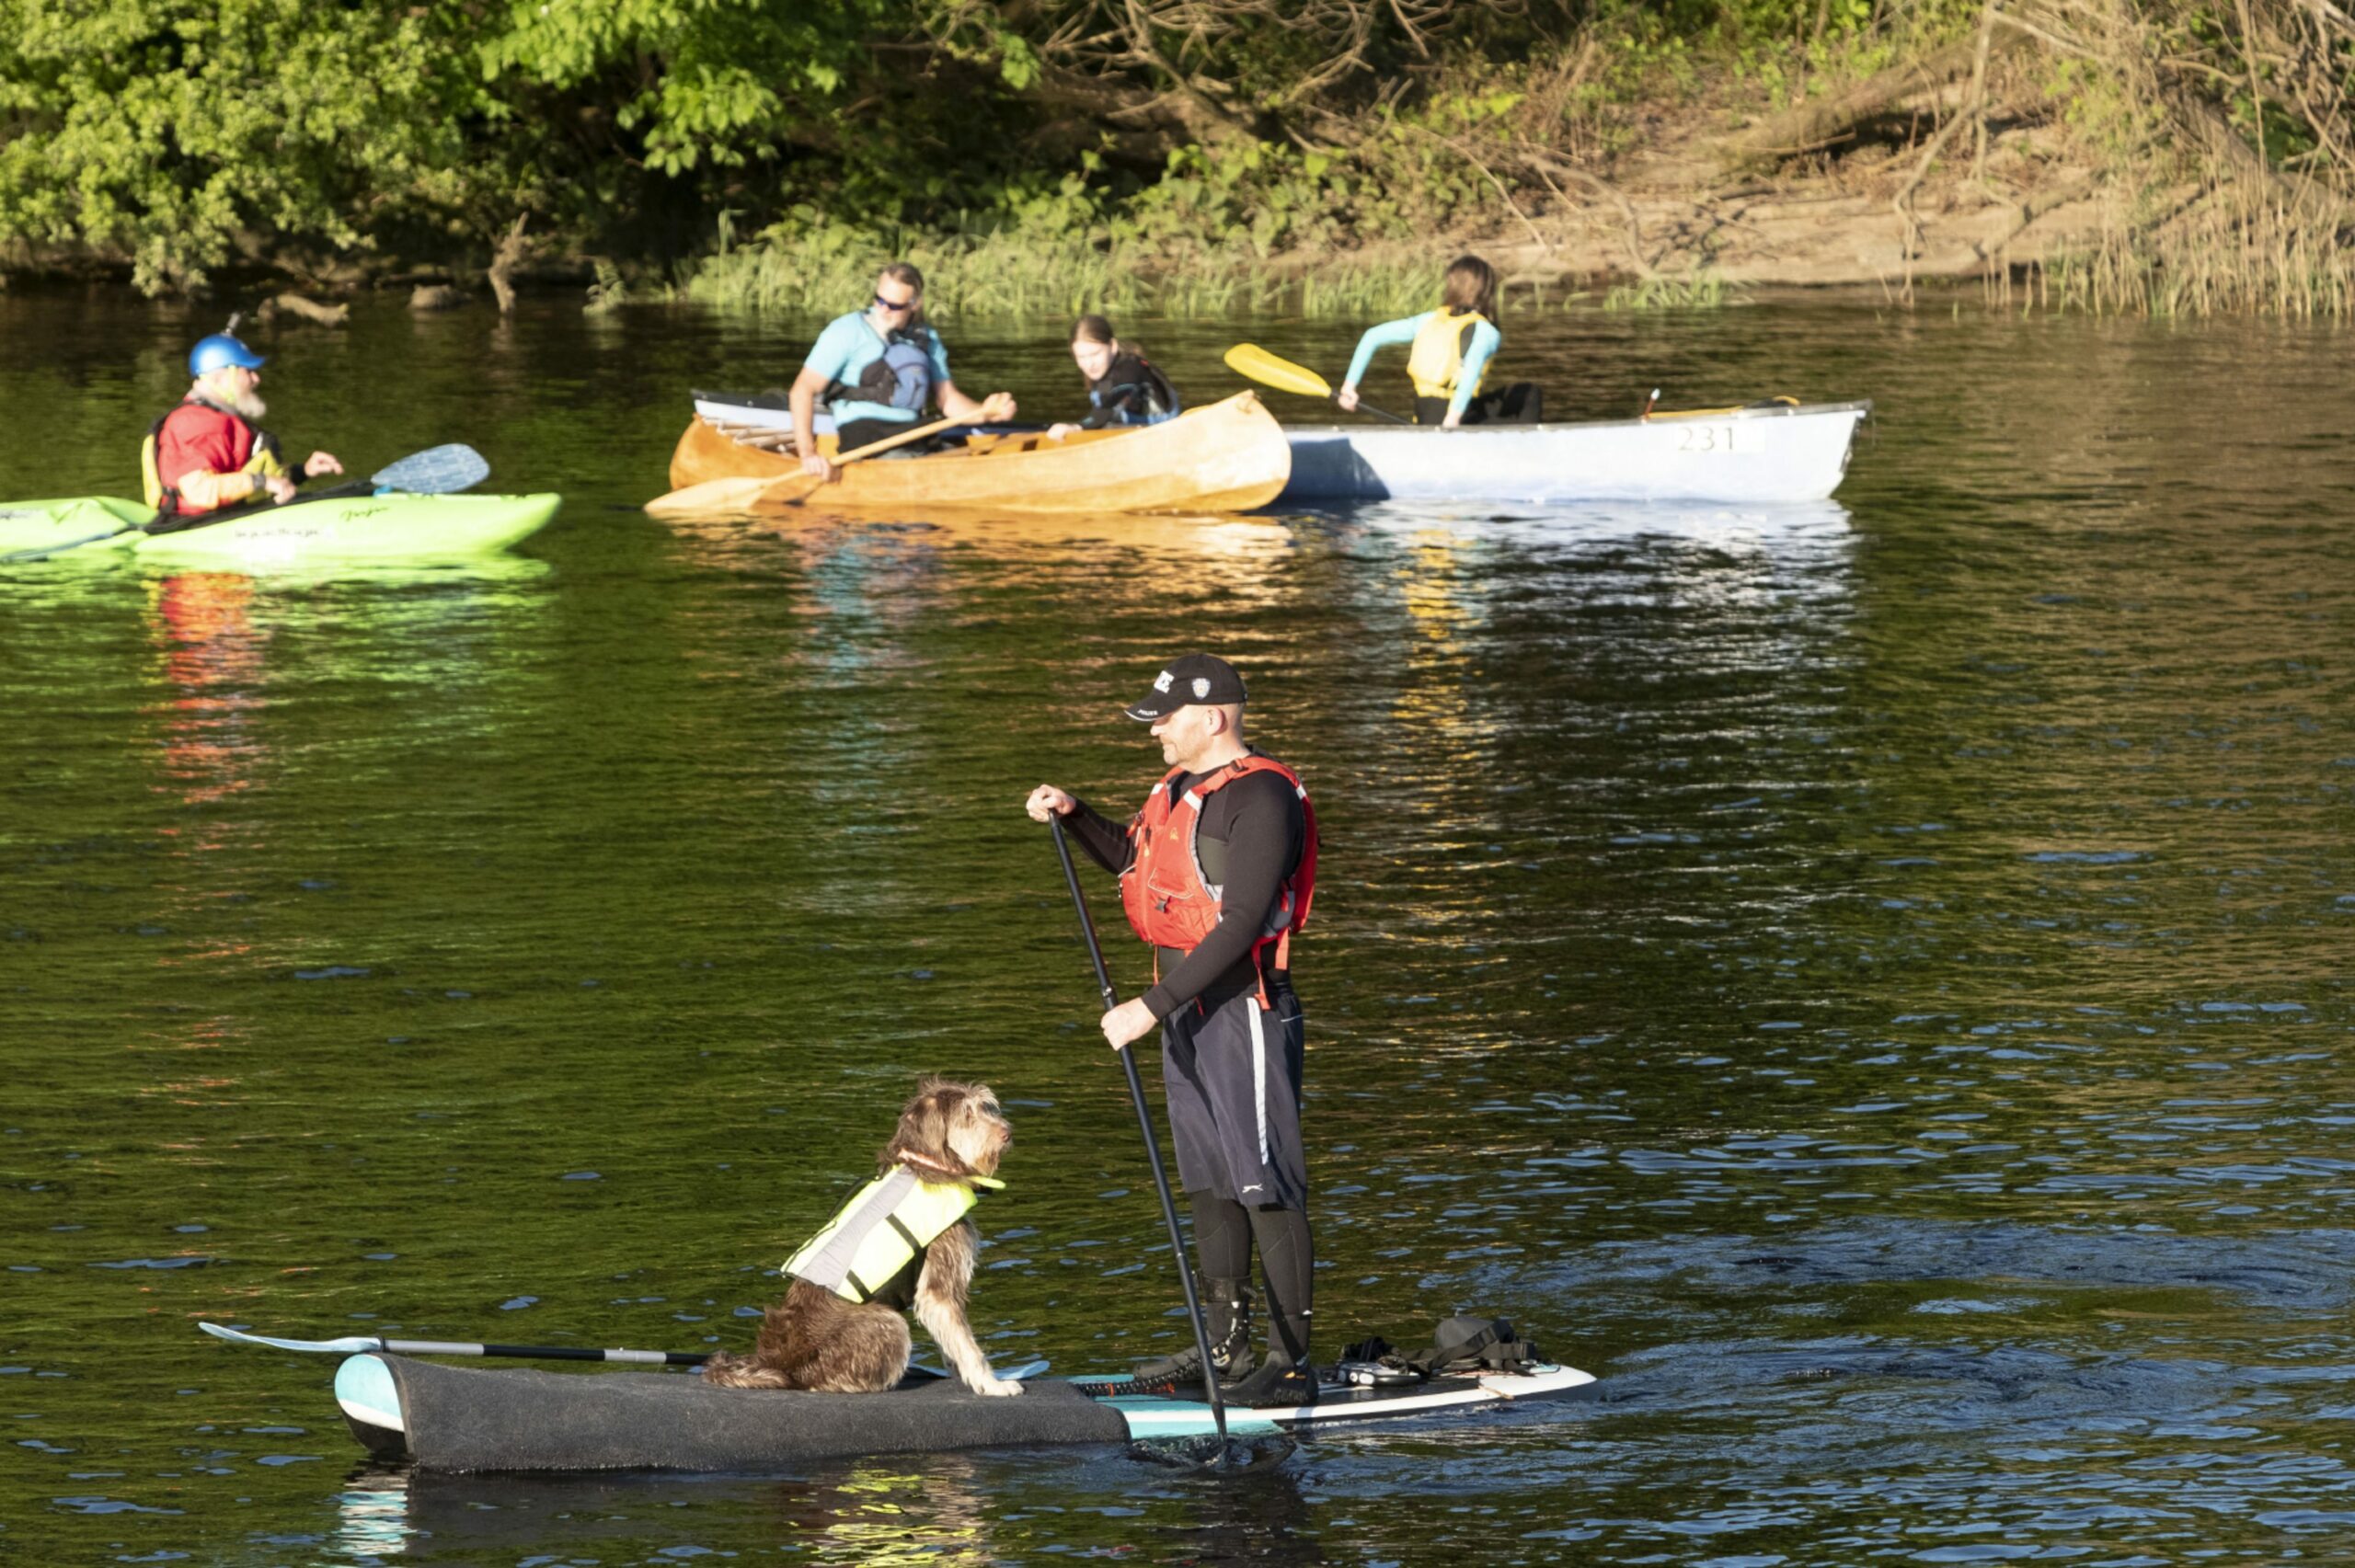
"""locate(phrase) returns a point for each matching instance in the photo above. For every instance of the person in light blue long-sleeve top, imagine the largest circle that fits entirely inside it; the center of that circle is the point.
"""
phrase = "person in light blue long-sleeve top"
(1449, 351)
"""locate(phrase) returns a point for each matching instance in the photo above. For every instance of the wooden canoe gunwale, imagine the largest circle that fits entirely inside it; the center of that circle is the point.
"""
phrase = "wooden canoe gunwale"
(1226, 456)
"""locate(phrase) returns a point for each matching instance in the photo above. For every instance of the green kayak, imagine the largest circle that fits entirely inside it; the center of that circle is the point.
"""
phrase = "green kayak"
(397, 526)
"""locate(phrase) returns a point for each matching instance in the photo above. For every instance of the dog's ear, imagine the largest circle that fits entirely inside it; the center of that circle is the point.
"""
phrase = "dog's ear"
(924, 1121)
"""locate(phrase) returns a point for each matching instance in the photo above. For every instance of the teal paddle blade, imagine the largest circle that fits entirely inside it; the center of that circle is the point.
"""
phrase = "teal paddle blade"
(437, 471)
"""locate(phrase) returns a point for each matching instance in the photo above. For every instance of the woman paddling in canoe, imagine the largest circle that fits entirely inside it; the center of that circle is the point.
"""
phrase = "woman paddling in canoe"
(875, 369)
(1123, 386)
(1451, 348)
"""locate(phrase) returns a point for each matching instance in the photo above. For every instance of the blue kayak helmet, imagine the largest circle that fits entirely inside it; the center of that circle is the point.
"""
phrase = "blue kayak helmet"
(219, 353)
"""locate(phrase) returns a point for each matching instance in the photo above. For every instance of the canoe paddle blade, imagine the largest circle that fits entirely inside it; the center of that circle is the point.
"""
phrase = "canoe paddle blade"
(1255, 363)
(437, 471)
(711, 498)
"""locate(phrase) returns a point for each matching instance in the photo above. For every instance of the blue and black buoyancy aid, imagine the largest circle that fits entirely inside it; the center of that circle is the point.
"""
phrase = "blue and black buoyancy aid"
(1132, 391)
(873, 1249)
(900, 378)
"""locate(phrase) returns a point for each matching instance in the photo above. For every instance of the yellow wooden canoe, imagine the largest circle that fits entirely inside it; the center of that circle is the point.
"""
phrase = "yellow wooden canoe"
(1227, 456)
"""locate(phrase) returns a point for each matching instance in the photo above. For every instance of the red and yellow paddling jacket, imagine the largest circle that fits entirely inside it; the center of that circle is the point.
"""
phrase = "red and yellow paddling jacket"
(1170, 899)
(200, 457)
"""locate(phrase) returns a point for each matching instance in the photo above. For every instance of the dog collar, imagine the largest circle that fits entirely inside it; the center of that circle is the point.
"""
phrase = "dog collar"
(932, 1174)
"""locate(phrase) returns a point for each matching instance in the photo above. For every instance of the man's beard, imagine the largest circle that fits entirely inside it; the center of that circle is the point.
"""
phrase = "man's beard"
(246, 406)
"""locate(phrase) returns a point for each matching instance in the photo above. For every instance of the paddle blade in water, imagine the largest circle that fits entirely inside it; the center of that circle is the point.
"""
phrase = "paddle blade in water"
(712, 499)
(438, 471)
(1251, 361)
(1206, 1450)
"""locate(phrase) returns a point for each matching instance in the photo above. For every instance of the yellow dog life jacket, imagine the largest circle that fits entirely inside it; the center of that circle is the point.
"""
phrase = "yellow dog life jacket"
(1437, 355)
(873, 1248)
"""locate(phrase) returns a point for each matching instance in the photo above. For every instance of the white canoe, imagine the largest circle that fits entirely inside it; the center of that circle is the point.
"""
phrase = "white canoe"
(1771, 453)
(755, 413)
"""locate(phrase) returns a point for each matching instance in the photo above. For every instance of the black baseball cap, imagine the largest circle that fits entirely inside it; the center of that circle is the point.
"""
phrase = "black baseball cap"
(1194, 677)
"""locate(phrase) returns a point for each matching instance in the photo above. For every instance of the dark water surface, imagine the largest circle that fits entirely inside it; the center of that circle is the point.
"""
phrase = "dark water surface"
(1871, 982)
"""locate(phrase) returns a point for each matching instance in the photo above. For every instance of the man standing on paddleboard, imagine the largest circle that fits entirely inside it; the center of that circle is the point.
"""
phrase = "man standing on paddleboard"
(1216, 873)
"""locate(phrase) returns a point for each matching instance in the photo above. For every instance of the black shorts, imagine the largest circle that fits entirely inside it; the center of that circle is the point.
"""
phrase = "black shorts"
(1523, 403)
(850, 435)
(1233, 1079)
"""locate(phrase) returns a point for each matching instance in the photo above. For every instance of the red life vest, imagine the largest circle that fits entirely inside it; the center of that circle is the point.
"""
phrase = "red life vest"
(200, 434)
(1171, 902)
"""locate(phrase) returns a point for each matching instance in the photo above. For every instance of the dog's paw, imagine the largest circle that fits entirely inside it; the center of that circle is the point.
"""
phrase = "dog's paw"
(998, 1388)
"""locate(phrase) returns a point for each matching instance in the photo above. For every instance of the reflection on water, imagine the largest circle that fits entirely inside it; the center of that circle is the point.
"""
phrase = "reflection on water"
(212, 657)
(1869, 980)
(875, 1514)
(372, 1518)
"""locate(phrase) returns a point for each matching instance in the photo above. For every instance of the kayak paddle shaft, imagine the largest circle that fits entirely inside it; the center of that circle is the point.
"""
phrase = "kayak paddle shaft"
(1152, 1143)
(356, 1344)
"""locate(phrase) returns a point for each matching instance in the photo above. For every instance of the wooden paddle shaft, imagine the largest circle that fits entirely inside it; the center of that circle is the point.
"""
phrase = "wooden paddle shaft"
(777, 494)
(903, 439)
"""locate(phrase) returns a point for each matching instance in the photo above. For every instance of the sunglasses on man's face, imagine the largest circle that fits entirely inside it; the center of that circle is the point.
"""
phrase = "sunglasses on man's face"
(908, 304)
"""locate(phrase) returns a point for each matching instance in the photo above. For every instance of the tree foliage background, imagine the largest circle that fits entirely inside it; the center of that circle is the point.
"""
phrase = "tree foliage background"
(327, 137)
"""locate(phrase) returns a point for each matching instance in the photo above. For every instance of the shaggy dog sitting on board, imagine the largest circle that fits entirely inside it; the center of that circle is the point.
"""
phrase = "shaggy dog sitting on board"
(837, 1333)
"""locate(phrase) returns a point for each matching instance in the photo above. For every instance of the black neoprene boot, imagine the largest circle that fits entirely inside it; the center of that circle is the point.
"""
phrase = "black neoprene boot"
(1279, 1383)
(1227, 1323)
(1287, 1376)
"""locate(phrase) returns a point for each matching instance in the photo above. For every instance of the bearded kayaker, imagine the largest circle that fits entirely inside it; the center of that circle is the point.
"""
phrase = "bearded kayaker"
(1123, 386)
(875, 369)
(1450, 350)
(208, 452)
(1216, 873)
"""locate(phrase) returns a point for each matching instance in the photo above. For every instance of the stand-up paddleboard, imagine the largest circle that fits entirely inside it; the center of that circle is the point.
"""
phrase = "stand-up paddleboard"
(470, 1418)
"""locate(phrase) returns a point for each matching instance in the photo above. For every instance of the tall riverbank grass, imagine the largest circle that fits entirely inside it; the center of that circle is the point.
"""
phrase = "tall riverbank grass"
(2271, 262)
(815, 265)
(1053, 262)
(812, 265)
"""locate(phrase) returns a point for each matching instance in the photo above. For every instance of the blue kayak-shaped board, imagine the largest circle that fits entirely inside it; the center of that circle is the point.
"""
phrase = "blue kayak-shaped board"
(394, 527)
(472, 1418)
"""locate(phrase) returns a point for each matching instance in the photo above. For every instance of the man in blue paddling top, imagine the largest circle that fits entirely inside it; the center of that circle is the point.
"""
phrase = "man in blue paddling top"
(1216, 873)
(875, 369)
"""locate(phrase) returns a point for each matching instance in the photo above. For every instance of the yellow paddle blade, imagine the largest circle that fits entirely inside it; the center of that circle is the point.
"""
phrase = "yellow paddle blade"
(712, 499)
(1250, 361)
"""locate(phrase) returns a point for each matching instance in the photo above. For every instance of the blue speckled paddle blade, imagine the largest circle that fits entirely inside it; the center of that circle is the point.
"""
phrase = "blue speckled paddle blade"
(438, 471)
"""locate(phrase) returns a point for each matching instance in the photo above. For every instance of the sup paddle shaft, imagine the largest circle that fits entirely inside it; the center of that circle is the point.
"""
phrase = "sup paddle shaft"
(1152, 1143)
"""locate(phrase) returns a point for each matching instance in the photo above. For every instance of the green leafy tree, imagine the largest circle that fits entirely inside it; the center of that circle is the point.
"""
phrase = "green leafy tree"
(162, 131)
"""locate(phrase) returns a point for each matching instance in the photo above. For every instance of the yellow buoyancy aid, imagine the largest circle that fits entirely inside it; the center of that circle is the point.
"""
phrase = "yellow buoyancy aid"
(1437, 355)
(873, 1248)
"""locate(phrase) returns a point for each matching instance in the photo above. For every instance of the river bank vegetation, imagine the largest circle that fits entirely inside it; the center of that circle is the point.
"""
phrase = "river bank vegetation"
(2173, 156)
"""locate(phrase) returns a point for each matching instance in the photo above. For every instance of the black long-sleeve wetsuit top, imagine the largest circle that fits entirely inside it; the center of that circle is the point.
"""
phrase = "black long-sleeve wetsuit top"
(1132, 391)
(1258, 819)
